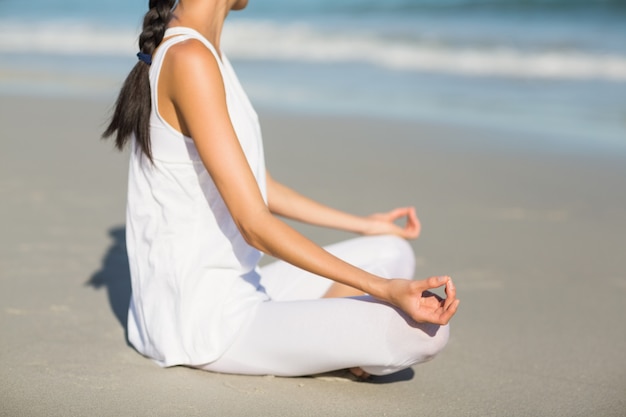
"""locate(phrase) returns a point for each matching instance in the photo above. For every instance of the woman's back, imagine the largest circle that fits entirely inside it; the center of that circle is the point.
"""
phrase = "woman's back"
(187, 256)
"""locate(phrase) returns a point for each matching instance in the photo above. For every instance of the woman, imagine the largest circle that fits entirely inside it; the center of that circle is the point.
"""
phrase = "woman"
(202, 209)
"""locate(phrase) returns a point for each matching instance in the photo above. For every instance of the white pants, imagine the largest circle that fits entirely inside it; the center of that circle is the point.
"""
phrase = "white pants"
(298, 333)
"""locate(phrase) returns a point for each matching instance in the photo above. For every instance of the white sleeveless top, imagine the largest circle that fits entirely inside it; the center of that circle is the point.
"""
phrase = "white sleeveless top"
(195, 280)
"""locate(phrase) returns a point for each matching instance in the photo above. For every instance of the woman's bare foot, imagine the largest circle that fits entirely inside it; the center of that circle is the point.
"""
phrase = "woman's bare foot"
(360, 374)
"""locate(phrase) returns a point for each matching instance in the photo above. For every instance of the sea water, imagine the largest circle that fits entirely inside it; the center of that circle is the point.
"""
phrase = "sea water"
(552, 67)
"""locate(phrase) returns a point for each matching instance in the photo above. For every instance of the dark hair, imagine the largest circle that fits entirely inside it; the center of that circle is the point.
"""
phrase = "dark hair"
(132, 108)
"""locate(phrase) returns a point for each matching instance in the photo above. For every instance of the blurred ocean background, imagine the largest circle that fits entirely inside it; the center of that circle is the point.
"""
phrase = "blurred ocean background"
(554, 68)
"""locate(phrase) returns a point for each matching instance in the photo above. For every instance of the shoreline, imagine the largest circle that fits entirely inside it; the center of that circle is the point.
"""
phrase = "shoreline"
(484, 138)
(586, 114)
(534, 241)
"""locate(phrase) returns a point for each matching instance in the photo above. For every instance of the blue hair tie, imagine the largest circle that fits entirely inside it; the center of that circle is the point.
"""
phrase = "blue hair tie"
(147, 58)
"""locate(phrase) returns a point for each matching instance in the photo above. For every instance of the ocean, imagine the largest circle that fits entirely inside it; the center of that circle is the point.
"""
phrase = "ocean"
(553, 68)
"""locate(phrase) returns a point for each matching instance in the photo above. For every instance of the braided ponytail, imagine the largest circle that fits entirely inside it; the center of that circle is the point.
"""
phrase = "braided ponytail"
(132, 108)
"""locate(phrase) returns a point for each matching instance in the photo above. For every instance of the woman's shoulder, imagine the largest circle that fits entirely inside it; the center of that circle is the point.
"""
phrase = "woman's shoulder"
(190, 60)
(192, 51)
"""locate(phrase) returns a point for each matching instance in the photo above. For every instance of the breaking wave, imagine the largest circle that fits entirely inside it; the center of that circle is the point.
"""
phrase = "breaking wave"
(265, 40)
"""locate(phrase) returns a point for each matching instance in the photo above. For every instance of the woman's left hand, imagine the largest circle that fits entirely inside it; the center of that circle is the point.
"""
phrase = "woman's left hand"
(384, 223)
(415, 299)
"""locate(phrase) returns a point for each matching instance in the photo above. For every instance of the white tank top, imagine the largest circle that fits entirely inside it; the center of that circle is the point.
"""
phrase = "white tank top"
(195, 280)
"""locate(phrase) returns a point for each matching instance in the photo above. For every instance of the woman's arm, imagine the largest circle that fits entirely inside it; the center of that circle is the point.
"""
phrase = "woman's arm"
(191, 80)
(286, 202)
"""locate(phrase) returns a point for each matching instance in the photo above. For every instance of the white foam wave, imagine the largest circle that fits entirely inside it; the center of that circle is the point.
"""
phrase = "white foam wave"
(295, 42)
(271, 41)
(72, 38)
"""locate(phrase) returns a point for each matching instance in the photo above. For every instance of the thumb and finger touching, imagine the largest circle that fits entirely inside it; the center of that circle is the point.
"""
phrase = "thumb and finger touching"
(411, 229)
(441, 310)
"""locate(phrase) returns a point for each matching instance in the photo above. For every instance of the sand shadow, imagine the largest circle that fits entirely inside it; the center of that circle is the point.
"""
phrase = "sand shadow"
(115, 276)
(343, 374)
(404, 375)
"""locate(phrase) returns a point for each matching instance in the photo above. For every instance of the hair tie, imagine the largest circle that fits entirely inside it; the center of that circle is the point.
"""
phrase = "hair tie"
(147, 58)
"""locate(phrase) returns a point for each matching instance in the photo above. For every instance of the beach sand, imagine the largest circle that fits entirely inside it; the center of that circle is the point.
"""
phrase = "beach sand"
(535, 241)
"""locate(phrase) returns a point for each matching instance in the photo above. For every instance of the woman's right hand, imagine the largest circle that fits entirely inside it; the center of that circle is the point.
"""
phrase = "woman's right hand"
(415, 299)
(384, 223)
